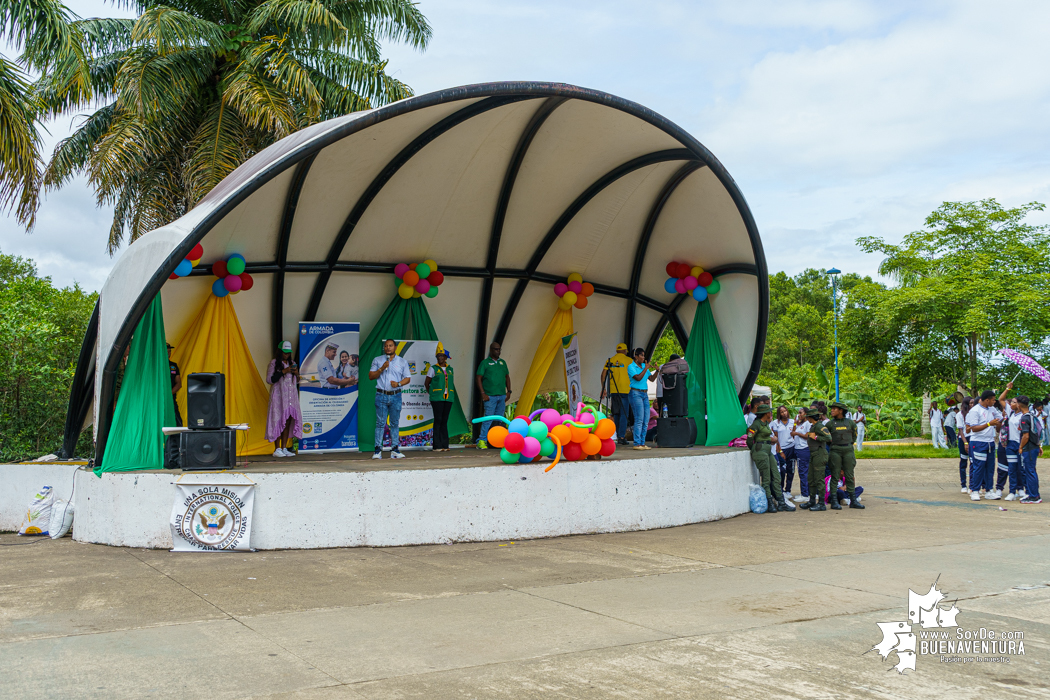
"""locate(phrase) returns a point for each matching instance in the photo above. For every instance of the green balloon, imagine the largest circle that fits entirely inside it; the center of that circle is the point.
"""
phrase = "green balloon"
(423, 270)
(508, 457)
(235, 266)
(598, 416)
(538, 430)
(547, 447)
(713, 287)
(432, 292)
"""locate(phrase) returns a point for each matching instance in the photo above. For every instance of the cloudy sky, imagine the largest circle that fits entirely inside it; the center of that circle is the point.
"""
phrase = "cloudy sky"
(838, 118)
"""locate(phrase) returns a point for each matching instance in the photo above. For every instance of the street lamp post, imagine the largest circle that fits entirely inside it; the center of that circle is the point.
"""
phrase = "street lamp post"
(834, 272)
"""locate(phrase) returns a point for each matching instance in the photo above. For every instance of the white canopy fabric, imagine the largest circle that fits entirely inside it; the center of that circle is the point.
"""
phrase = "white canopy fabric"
(510, 187)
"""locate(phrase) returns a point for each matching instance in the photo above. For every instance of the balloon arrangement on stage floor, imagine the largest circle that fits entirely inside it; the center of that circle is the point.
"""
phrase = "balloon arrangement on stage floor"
(548, 433)
(573, 292)
(187, 264)
(418, 279)
(692, 280)
(232, 277)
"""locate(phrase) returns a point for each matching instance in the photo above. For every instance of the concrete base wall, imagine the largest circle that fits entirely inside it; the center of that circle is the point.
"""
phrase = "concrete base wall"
(19, 482)
(429, 506)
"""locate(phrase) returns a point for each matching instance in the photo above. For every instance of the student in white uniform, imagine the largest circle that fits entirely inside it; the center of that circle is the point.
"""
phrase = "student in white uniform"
(784, 451)
(861, 420)
(799, 432)
(980, 425)
(937, 426)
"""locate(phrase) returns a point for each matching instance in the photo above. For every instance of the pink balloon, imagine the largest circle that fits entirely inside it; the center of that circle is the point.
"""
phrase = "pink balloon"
(422, 286)
(531, 448)
(679, 286)
(232, 283)
(561, 288)
(565, 417)
(550, 418)
(575, 287)
(691, 283)
(400, 270)
(586, 419)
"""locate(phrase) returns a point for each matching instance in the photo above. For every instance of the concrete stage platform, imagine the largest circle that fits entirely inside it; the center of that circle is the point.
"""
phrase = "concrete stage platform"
(351, 500)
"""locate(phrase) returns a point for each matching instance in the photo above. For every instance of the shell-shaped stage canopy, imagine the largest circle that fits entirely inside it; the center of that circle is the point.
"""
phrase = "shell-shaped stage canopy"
(510, 187)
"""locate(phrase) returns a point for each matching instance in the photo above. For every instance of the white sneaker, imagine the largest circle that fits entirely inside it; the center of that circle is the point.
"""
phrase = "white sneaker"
(788, 496)
(992, 496)
(1011, 497)
(278, 452)
(965, 490)
(844, 501)
(800, 499)
(396, 454)
(1021, 494)
(378, 454)
(974, 496)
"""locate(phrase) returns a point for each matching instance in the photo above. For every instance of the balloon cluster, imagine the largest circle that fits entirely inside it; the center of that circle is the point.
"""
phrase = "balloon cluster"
(418, 279)
(547, 433)
(188, 263)
(573, 292)
(232, 277)
(684, 279)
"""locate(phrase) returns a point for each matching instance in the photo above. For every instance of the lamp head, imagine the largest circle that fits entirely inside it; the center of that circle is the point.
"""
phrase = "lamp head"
(834, 271)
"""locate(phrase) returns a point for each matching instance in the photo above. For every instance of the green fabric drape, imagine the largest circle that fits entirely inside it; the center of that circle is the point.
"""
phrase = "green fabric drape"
(404, 319)
(713, 401)
(144, 405)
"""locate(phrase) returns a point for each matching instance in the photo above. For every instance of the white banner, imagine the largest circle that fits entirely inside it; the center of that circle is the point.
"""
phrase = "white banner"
(573, 388)
(212, 513)
(416, 427)
(329, 369)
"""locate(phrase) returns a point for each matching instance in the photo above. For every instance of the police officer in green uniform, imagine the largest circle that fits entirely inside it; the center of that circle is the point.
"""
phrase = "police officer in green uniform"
(759, 440)
(843, 460)
(817, 437)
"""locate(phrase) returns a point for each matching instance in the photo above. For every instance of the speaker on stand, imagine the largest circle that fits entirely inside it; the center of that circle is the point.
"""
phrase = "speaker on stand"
(206, 401)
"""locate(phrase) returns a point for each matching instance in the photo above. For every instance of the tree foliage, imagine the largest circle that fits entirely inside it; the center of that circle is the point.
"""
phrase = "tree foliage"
(189, 90)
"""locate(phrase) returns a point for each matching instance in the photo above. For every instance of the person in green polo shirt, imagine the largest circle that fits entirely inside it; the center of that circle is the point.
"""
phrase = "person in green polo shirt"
(441, 385)
(493, 383)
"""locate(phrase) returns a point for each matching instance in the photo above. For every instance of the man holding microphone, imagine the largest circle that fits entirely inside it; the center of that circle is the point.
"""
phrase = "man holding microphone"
(390, 372)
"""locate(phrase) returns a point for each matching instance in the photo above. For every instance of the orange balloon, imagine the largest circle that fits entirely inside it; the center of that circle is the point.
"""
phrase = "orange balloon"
(411, 278)
(579, 434)
(605, 429)
(592, 445)
(588, 289)
(562, 433)
(412, 266)
(581, 302)
(497, 434)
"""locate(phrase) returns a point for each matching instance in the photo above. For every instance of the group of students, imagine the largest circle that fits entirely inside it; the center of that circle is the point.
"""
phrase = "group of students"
(999, 444)
(820, 446)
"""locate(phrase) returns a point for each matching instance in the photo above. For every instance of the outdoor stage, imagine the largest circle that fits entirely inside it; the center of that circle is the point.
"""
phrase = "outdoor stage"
(350, 500)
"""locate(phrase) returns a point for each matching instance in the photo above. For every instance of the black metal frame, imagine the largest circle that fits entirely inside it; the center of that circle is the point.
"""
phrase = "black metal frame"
(82, 390)
(487, 96)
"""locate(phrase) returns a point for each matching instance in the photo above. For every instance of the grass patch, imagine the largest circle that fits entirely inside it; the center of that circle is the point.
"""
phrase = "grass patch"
(906, 452)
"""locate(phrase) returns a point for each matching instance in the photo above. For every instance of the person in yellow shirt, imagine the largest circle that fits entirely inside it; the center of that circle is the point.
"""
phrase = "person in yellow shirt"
(617, 385)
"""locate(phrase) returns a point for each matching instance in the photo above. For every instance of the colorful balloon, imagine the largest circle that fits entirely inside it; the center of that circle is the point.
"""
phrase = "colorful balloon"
(561, 288)
(588, 289)
(423, 270)
(522, 459)
(531, 447)
(514, 442)
(497, 435)
(700, 293)
(218, 268)
(714, 287)
(690, 283)
(410, 278)
(173, 276)
(547, 448)
(247, 281)
(683, 271)
(679, 286)
(436, 278)
(696, 271)
(218, 288)
(672, 269)
(608, 447)
(431, 264)
(232, 283)
(550, 418)
(562, 433)
(592, 445)
(706, 279)
(432, 292)
(422, 286)
(400, 269)
(669, 285)
(569, 298)
(538, 430)
(183, 268)
(196, 253)
(195, 262)
(575, 277)
(508, 457)
(235, 264)
(413, 266)
(581, 302)
(519, 426)
(564, 305)
(586, 419)
(575, 287)
(605, 428)
(415, 294)
(578, 434)
(571, 452)
(405, 291)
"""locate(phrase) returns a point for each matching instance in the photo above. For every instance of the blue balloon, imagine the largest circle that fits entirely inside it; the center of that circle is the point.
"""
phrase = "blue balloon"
(700, 293)
(219, 289)
(184, 268)
(669, 285)
(519, 426)
(522, 459)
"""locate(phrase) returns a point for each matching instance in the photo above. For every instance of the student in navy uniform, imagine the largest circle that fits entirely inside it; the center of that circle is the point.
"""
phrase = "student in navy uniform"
(1030, 450)
(176, 384)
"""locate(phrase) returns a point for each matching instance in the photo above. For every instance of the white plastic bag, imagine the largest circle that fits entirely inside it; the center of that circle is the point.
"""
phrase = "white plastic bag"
(757, 499)
(61, 518)
(38, 514)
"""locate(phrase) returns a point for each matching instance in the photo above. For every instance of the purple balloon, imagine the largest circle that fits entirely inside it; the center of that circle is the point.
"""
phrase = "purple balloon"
(232, 283)
(561, 288)
(422, 286)
(400, 269)
(575, 287)
(679, 286)
(531, 448)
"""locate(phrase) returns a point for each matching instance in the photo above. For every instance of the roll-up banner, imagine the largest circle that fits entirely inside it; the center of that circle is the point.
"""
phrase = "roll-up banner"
(574, 390)
(417, 415)
(329, 366)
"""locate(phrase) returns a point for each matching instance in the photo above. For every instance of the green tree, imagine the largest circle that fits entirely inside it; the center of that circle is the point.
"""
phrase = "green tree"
(975, 279)
(190, 90)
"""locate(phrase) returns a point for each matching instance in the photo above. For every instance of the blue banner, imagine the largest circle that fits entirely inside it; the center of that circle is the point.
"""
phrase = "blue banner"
(329, 367)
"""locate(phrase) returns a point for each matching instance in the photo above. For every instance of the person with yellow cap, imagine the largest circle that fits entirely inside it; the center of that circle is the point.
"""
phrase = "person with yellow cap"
(617, 385)
(440, 384)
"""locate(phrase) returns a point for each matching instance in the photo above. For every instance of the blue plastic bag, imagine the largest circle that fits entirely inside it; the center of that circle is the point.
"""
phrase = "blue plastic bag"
(759, 504)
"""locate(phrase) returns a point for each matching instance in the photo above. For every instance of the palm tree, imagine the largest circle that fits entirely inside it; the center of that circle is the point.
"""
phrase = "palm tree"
(41, 29)
(192, 88)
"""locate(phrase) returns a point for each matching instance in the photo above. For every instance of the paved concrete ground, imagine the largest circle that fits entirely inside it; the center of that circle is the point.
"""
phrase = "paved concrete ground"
(763, 606)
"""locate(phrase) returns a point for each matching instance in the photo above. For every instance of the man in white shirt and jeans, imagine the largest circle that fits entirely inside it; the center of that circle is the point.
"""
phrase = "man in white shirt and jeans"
(981, 424)
(862, 425)
(390, 372)
(937, 426)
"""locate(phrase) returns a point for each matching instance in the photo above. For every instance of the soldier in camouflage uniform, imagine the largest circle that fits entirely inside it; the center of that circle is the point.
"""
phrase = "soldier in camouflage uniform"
(843, 460)
(817, 437)
(760, 440)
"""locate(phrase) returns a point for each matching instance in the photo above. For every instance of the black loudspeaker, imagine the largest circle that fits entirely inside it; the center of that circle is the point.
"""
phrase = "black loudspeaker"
(206, 401)
(205, 450)
(676, 432)
(676, 398)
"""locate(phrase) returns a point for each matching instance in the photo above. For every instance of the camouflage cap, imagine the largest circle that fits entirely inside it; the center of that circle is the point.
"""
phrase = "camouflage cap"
(762, 409)
(812, 413)
(839, 404)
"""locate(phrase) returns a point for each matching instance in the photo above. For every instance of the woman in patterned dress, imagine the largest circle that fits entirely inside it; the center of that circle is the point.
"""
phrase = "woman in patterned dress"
(284, 420)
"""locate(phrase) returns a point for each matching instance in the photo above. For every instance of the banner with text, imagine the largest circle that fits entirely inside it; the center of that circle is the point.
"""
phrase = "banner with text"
(329, 367)
(212, 513)
(416, 427)
(573, 389)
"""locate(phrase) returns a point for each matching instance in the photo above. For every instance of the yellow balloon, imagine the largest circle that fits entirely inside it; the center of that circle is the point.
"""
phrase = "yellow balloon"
(563, 306)
(431, 264)
(405, 291)
(576, 277)
(569, 298)
(195, 262)
(415, 294)
(696, 271)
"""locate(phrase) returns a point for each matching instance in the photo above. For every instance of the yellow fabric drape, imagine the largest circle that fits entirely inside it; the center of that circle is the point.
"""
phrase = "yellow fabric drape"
(549, 347)
(214, 342)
